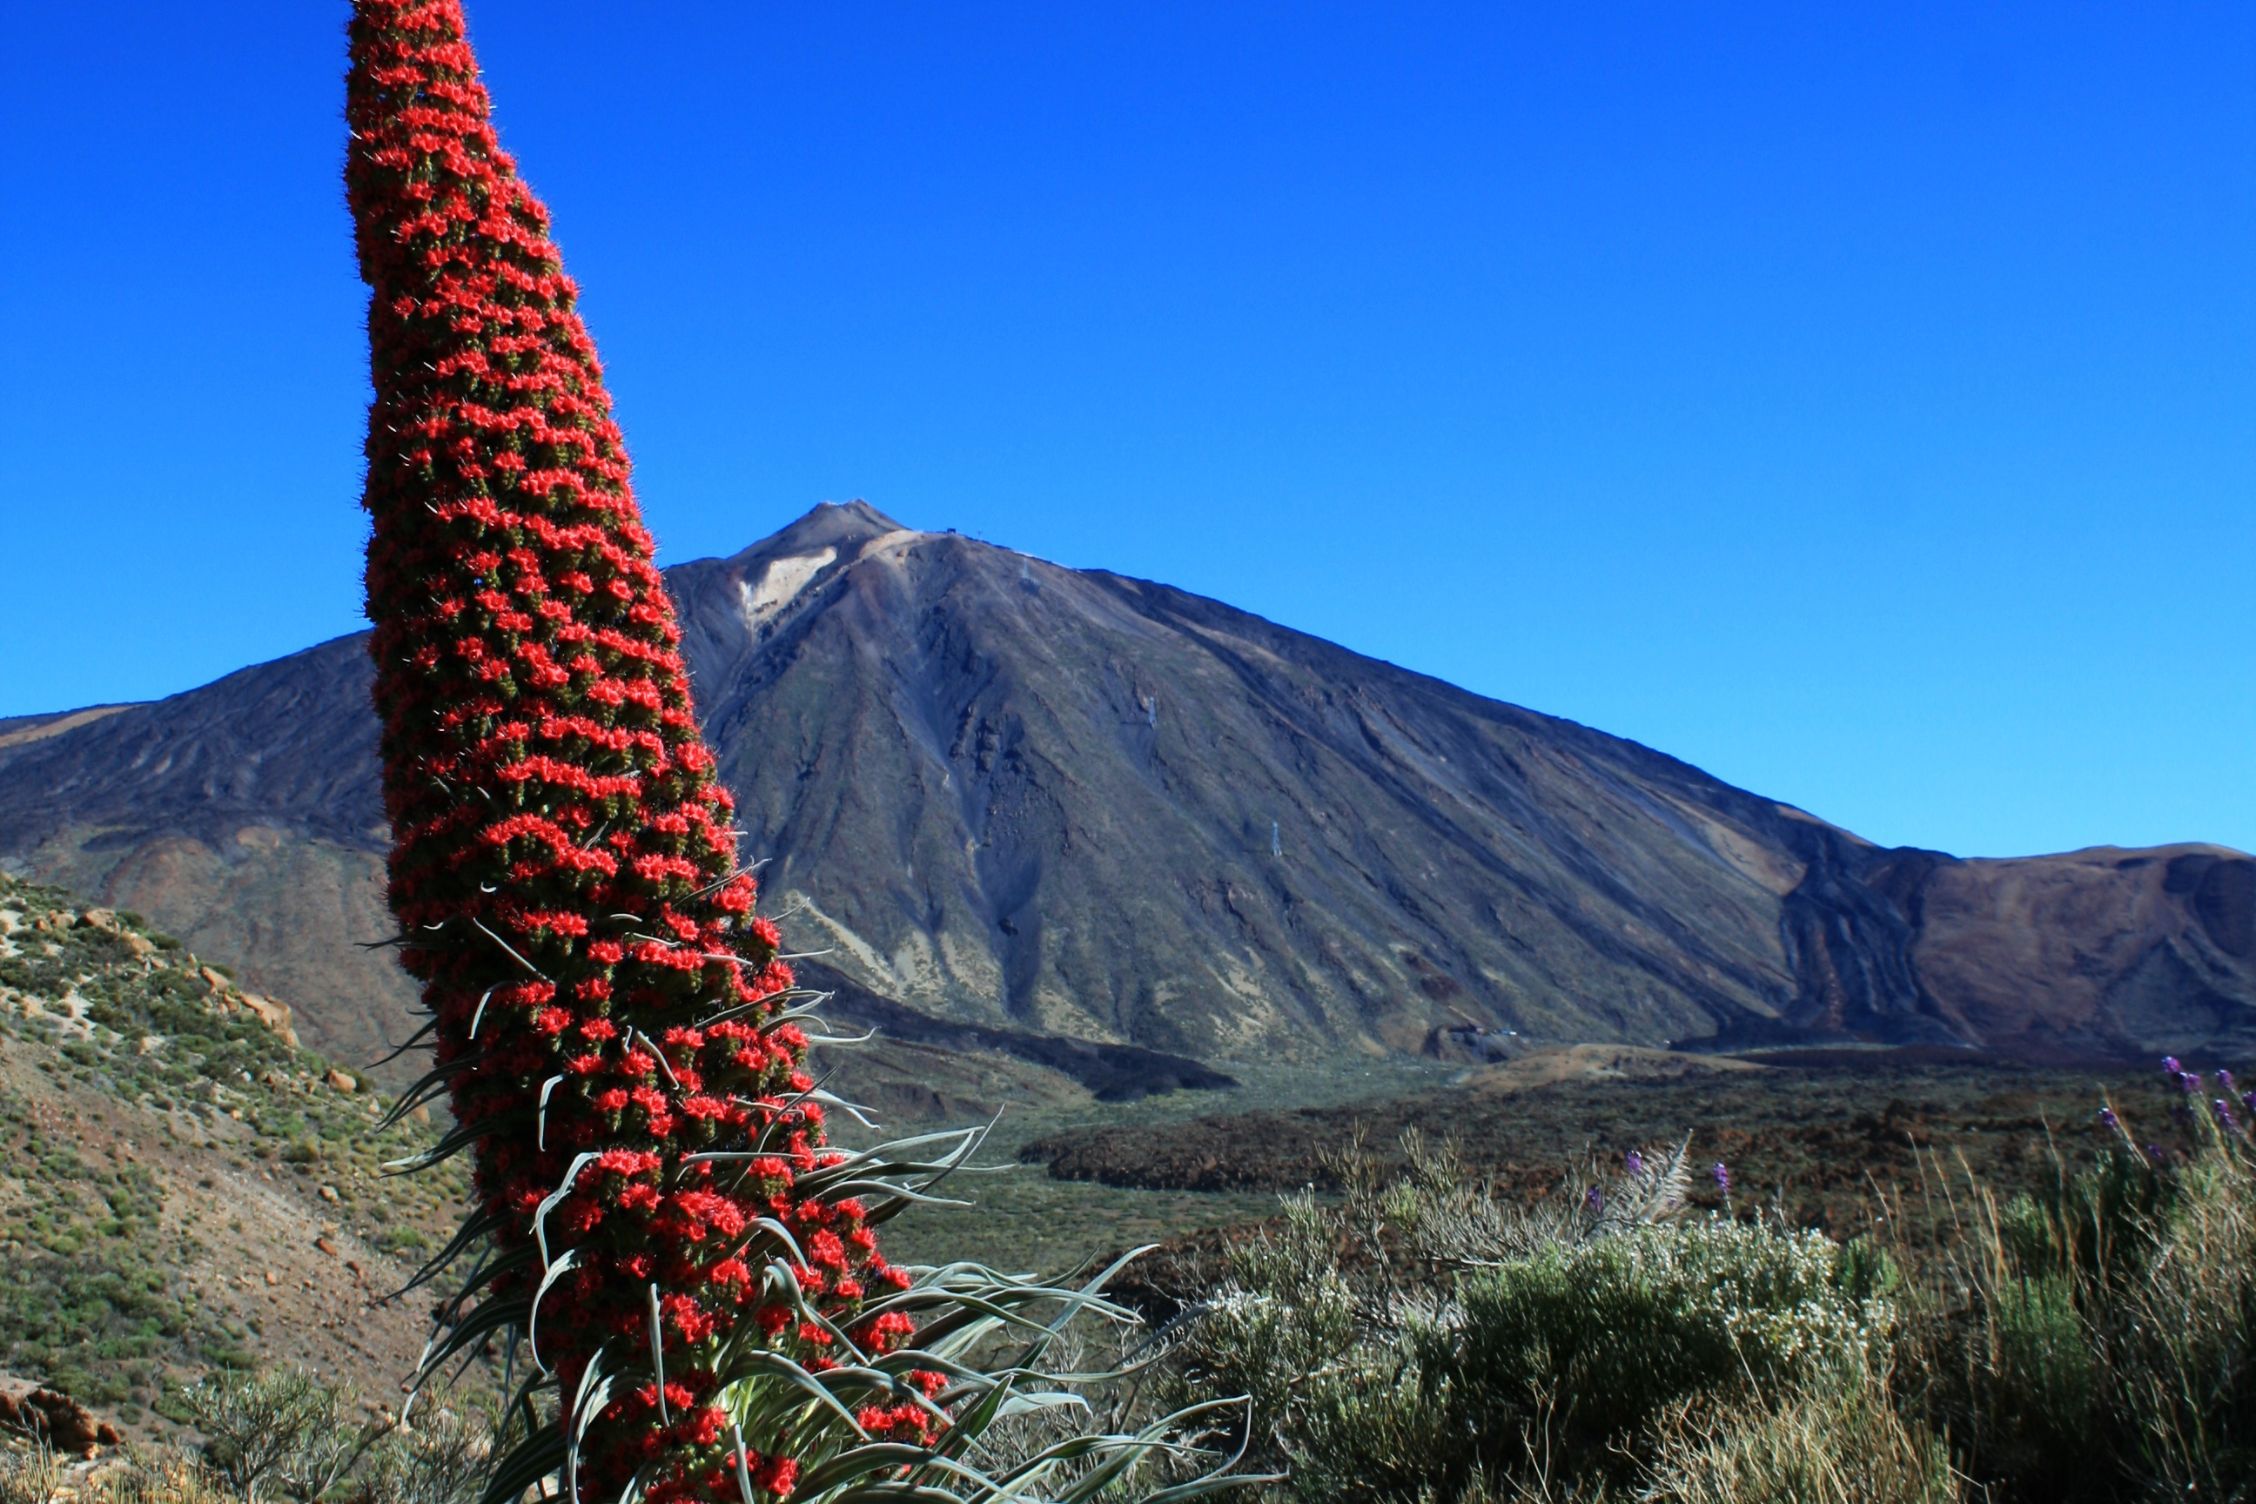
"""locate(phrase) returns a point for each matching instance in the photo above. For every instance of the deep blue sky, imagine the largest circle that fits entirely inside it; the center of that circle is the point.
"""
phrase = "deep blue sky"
(1860, 407)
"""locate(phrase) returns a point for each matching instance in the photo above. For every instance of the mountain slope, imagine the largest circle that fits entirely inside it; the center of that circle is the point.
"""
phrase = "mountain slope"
(180, 1185)
(1063, 802)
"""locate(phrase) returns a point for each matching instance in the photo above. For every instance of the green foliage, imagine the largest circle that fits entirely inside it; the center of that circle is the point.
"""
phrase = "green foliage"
(2043, 1379)
(2092, 1340)
(283, 1431)
(1580, 1347)
(1425, 1340)
(136, 1043)
(2093, 1223)
(2098, 1341)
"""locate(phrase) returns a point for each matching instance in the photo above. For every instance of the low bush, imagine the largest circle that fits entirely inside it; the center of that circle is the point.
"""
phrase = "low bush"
(1579, 1349)
(1423, 1340)
(283, 1431)
(281, 1434)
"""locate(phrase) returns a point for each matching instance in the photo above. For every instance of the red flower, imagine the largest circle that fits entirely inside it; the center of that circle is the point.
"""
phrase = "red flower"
(562, 850)
(779, 1477)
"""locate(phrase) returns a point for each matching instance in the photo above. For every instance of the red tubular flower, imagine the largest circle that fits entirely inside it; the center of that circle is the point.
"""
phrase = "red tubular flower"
(563, 865)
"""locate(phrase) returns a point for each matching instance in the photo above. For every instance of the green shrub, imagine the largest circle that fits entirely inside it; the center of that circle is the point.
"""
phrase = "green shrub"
(2183, 1337)
(1584, 1347)
(2043, 1379)
(2098, 1342)
(283, 1431)
(440, 1459)
(1425, 1341)
(401, 1237)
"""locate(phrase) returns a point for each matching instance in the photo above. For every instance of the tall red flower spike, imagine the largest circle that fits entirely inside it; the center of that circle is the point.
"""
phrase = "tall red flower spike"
(563, 869)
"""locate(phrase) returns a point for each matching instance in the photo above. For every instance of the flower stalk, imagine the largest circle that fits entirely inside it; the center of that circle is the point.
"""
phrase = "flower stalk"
(607, 1010)
(661, 1223)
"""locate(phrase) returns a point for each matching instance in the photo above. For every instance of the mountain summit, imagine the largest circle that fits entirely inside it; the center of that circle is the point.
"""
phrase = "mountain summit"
(1065, 802)
(830, 525)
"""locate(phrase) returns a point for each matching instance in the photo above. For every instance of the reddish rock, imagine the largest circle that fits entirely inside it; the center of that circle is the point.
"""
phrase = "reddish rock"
(271, 1012)
(62, 1421)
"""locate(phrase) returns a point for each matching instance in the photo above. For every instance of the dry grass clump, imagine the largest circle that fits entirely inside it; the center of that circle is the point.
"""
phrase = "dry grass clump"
(31, 1472)
(1810, 1445)
(2096, 1341)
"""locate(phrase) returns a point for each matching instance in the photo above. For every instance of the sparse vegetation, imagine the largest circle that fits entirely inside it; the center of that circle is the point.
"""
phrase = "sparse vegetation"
(2074, 1320)
(285, 1430)
(280, 1434)
(1421, 1339)
(108, 1038)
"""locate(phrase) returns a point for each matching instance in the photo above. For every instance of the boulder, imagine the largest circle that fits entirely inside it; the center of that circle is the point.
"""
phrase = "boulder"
(272, 1012)
(63, 1422)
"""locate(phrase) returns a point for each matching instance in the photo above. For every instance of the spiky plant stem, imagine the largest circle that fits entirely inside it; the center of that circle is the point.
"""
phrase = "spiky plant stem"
(563, 867)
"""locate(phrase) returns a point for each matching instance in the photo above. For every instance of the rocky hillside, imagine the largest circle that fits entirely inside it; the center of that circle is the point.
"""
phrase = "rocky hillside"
(180, 1184)
(1056, 803)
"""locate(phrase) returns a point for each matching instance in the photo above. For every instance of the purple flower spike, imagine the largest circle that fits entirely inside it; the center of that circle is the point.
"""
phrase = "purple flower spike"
(1634, 1162)
(1722, 1177)
(1593, 1201)
(2154, 1152)
(2170, 1066)
(2224, 1078)
(2224, 1112)
(2248, 1100)
(2189, 1083)
(2107, 1118)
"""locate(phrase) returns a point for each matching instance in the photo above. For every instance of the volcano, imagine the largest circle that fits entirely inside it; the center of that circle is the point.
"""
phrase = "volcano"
(1009, 801)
